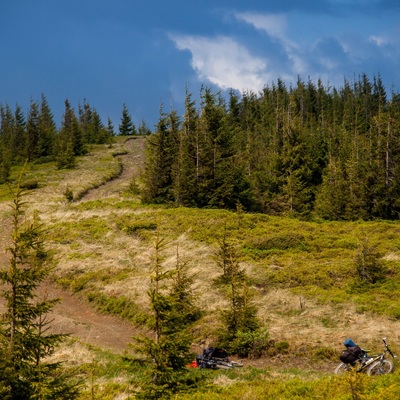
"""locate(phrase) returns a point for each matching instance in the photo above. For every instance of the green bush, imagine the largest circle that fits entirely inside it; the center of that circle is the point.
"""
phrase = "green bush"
(69, 195)
(30, 185)
(325, 353)
(43, 160)
(134, 229)
(279, 242)
(282, 346)
(369, 265)
(134, 187)
(252, 344)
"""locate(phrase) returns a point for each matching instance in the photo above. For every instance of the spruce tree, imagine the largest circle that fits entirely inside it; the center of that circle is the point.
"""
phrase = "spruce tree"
(33, 132)
(110, 127)
(241, 332)
(210, 147)
(173, 312)
(6, 155)
(24, 338)
(47, 130)
(143, 128)
(126, 127)
(100, 132)
(5, 163)
(69, 141)
(331, 199)
(160, 153)
(185, 165)
(93, 130)
(18, 139)
(86, 122)
(295, 170)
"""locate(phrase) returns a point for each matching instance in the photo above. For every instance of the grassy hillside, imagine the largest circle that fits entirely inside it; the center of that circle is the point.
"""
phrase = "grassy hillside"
(303, 275)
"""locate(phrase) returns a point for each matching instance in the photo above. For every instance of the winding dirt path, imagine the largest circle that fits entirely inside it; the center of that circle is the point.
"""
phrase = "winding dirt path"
(132, 163)
(74, 315)
(79, 319)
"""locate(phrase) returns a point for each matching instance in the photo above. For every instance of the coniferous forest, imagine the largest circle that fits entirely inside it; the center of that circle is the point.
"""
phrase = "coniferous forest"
(303, 150)
(36, 137)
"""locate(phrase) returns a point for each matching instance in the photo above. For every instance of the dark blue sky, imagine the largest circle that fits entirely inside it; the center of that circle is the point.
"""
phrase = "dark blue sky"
(143, 53)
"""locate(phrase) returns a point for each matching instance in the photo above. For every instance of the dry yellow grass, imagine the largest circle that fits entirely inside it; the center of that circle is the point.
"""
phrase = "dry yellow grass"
(223, 380)
(300, 321)
(72, 353)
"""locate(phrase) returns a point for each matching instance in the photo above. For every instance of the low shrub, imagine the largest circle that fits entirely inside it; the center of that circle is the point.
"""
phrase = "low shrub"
(252, 344)
(325, 353)
(44, 160)
(134, 229)
(134, 187)
(282, 346)
(68, 194)
(120, 306)
(279, 242)
(30, 185)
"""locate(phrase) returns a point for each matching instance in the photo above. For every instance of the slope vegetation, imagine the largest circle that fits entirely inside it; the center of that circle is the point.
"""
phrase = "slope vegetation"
(302, 273)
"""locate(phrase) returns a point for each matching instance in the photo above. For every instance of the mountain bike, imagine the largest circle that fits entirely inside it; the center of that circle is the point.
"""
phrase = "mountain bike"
(216, 358)
(376, 364)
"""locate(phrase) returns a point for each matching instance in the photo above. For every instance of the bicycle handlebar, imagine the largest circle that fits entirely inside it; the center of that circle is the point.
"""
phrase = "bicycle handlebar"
(387, 348)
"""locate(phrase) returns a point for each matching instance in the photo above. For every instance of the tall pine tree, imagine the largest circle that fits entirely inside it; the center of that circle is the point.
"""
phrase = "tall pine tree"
(173, 312)
(160, 152)
(126, 127)
(24, 339)
(69, 140)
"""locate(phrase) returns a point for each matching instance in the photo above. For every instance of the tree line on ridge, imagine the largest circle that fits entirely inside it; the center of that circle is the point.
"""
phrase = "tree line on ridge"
(36, 138)
(302, 150)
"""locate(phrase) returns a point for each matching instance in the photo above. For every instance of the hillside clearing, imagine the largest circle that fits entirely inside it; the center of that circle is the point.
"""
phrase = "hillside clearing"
(301, 272)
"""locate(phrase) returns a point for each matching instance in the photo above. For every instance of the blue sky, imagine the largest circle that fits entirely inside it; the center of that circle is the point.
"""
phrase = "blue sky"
(144, 53)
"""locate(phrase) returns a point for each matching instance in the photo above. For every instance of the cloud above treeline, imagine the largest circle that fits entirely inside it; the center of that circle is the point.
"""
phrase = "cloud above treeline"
(288, 46)
(224, 62)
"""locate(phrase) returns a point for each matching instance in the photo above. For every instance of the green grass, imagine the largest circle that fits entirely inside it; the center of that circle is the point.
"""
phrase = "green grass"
(109, 376)
(264, 385)
(91, 171)
(106, 376)
(317, 258)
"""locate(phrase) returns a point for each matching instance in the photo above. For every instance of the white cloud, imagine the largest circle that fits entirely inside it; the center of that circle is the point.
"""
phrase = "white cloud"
(225, 62)
(378, 40)
(328, 63)
(273, 24)
(284, 52)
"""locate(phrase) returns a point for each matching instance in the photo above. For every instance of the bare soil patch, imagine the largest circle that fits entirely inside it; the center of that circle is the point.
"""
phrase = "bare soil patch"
(75, 316)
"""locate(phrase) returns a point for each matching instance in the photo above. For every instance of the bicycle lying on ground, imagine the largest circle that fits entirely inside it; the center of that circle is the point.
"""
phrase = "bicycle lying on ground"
(371, 365)
(216, 358)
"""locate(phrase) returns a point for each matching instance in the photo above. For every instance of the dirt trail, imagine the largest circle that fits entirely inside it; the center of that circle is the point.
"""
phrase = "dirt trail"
(74, 315)
(77, 318)
(132, 163)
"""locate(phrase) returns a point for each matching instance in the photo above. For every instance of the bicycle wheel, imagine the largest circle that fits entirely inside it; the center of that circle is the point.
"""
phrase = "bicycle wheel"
(236, 364)
(223, 365)
(380, 368)
(342, 368)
